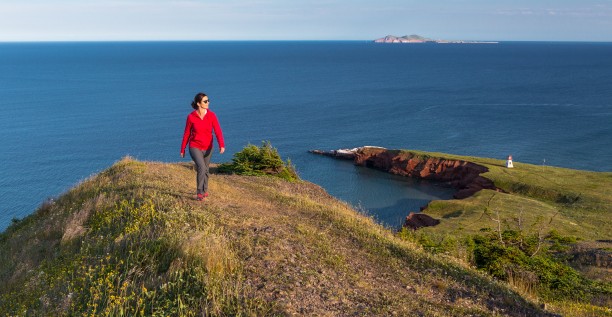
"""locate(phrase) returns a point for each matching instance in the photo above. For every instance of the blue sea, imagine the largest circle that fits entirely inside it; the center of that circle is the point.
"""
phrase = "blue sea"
(70, 110)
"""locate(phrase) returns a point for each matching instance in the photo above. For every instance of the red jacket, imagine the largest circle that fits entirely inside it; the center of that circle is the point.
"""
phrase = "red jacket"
(198, 132)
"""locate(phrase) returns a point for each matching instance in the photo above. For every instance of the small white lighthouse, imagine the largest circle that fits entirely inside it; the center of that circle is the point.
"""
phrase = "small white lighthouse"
(509, 162)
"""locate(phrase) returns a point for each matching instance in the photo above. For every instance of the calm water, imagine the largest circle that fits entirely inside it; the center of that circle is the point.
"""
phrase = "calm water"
(69, 110)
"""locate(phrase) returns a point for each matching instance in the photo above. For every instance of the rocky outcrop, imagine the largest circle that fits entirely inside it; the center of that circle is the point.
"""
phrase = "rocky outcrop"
(595, 254)
(348, 154)
(463, 175)
(418, 220)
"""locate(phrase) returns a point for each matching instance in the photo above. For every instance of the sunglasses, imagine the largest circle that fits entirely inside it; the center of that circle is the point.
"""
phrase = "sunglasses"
(205, 101)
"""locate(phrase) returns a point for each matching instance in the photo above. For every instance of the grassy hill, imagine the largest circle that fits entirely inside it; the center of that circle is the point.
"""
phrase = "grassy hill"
(537, 200)
(133, 241)
(574, 202)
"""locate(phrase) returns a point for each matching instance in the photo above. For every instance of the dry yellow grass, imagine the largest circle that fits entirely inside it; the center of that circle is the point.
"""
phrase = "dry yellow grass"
(134, 240)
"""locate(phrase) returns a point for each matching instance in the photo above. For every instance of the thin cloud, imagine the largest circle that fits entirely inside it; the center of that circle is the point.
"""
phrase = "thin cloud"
(598, 11)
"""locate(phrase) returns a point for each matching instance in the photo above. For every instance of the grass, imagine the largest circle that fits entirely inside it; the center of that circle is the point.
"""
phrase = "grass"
(535, 201)
(134, 241)
(574, 202)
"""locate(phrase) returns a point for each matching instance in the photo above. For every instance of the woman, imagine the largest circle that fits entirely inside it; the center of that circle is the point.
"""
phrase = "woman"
(198, 132)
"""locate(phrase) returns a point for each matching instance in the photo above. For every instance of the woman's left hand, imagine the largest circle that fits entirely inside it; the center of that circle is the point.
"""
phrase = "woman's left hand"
(221, 150)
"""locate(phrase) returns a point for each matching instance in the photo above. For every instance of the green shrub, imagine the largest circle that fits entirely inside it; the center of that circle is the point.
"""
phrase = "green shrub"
(263, 160)
(525, 260)
(522, 253)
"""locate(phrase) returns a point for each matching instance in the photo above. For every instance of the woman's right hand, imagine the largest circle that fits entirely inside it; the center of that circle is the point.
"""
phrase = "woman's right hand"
(182, 154)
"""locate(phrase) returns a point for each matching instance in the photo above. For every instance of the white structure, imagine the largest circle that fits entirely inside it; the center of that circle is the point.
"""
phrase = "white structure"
(509, 162)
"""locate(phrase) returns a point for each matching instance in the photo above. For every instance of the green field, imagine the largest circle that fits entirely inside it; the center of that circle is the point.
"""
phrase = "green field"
(574, 202)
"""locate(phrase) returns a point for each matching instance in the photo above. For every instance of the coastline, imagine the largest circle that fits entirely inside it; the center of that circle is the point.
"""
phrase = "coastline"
(482, 182)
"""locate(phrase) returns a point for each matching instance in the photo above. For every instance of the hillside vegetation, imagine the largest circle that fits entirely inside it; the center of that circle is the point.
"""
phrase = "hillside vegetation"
(548, 232)
(578, 202)
(134, 241)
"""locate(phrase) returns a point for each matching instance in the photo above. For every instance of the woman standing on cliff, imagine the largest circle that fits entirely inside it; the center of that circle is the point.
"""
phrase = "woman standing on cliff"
(198, 133)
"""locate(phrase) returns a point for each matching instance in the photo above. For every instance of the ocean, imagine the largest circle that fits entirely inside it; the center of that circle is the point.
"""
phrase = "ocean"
(70, 110)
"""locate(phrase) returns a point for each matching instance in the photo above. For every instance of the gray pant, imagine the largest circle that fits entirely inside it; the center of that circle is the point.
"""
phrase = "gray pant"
(202, 161)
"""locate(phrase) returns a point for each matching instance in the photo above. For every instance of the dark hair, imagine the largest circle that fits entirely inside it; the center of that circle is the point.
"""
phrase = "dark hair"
(197, 99)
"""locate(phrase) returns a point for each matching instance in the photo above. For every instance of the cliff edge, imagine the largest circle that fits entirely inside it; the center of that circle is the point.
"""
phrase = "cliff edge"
(460, 174)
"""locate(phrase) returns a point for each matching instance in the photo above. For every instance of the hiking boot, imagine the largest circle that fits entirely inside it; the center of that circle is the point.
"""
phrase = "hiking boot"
(205, 194)
(200, 197)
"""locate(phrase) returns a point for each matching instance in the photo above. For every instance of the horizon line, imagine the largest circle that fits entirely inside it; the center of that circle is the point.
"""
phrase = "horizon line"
(279, 40)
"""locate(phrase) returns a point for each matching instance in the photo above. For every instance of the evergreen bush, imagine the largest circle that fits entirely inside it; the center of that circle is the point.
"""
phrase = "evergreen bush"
(263, 160)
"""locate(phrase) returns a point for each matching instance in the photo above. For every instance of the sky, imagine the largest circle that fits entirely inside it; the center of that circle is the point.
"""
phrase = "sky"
(145, 20)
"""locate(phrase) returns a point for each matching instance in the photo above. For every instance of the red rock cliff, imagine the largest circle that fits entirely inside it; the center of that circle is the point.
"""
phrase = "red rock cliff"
(463, 175)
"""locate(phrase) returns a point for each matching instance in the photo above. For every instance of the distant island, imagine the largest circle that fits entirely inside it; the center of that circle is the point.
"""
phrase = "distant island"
(419, 39)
